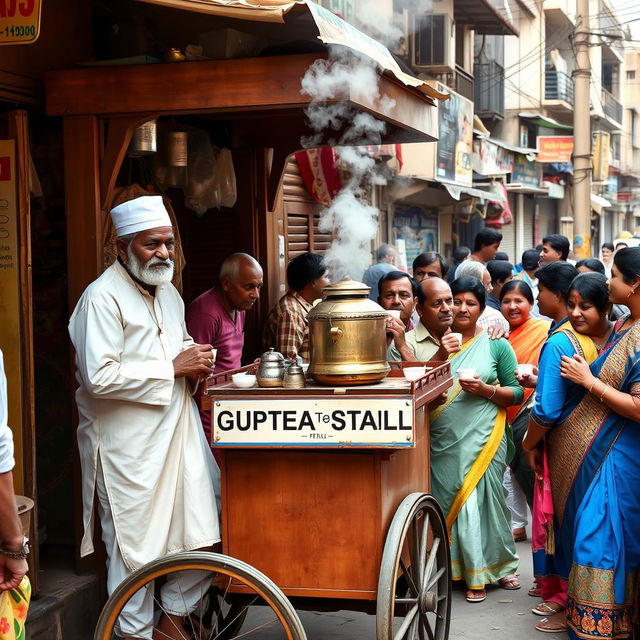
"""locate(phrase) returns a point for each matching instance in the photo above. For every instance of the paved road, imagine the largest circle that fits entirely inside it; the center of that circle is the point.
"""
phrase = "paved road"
(504, 614)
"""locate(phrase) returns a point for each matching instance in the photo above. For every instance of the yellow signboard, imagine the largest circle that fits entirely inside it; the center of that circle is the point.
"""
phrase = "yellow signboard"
(19, 21)
(601, 150)
(10, 340)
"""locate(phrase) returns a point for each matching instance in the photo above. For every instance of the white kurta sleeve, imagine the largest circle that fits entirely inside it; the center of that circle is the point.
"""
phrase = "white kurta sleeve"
(187, 340)
(98, 337)
(6, 437)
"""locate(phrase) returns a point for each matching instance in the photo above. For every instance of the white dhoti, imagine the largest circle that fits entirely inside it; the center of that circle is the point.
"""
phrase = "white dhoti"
(179, 595)
(516, 500)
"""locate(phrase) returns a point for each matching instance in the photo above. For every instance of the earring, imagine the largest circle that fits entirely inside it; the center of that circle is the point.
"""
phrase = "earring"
(631, 292)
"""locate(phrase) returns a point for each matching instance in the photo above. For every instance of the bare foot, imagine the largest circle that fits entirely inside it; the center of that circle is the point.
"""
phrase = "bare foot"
(170, 627)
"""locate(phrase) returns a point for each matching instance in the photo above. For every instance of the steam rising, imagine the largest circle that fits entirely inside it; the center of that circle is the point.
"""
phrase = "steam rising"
(329, 83)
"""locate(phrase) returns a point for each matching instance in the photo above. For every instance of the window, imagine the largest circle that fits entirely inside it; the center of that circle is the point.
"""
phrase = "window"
(631, 75)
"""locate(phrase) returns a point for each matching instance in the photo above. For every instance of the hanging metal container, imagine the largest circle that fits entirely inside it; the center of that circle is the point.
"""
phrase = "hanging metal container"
(177, 148)
(143, 140)
(347, 336)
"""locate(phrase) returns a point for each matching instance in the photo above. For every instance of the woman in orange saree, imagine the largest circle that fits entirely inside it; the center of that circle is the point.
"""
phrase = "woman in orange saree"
(527, 336)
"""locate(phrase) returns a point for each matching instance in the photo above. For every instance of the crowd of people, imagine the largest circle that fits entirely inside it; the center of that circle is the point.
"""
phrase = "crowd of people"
(547, 421)
(542, 415)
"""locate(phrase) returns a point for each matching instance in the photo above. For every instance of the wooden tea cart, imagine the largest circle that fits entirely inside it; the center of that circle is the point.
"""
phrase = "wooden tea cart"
(326, 491)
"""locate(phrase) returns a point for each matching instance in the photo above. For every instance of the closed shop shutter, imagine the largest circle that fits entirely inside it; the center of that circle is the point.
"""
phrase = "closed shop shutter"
(528, 230)
(508, 244)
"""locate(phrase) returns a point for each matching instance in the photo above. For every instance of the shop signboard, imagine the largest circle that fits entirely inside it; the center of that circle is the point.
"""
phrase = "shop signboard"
(489, 159)
(10, 331)
(19, 21)
(601, 152)
(454, 148)
(418, 228)
(313, 422)
(554, 148)
(611, 188)
(525, 172)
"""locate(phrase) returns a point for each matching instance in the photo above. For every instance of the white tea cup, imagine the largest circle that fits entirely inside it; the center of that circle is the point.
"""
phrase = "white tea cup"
(395, 313)
(458, 337)
(525, 369)
(466, 374)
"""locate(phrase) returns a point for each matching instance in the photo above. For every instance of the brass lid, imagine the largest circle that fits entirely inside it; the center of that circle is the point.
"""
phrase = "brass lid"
(346, 287)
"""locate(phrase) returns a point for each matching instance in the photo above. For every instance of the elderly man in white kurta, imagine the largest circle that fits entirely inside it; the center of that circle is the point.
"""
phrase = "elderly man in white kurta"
(141, 442)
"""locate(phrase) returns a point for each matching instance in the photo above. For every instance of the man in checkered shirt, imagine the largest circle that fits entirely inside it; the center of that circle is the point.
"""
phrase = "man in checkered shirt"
(287, 328)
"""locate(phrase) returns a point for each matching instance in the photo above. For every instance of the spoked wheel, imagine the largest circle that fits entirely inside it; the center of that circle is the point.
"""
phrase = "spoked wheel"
(212, 607)
(414, 588)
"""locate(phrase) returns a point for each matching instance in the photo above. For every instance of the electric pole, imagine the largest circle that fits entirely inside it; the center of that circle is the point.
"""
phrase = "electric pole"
(582, 136)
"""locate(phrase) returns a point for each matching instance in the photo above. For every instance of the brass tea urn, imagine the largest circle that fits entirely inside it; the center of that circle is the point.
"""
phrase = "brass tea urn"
(347, 336)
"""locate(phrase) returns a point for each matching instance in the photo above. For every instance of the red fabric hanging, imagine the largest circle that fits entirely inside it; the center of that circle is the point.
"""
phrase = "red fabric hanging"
(319, 171)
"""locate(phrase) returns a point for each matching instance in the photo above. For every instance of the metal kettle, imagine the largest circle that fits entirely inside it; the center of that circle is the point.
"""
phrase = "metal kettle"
(271, 369)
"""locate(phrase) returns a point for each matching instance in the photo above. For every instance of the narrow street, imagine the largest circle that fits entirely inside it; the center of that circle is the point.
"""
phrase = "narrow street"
(504, 614)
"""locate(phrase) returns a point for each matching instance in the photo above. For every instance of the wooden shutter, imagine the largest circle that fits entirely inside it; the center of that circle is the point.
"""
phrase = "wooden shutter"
(302, 215)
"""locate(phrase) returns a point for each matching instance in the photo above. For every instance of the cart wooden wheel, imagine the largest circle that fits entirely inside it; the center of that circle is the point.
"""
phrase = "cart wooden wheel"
(414, 587)
(220, 613)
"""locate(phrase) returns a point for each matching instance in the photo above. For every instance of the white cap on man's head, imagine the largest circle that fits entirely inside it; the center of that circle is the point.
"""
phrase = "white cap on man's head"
(140, 214)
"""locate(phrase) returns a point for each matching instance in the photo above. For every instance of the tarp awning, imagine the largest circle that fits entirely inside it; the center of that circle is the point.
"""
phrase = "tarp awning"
(525, 151)
(326, 26)
(456, 192)
(543, 121)
(598, 203)
(516, 187)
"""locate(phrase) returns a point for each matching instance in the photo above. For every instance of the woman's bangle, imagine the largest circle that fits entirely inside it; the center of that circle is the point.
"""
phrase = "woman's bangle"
(591, 387)
(604, 391)
(495, 388)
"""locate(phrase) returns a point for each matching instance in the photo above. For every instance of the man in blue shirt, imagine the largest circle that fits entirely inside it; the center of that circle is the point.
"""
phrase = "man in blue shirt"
(386, 260)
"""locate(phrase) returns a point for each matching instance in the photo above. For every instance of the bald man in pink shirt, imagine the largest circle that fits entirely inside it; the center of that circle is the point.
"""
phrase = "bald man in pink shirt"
(217, 316)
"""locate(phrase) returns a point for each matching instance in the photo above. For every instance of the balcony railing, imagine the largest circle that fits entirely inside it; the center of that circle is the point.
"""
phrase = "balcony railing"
(460, 81)
(611, 107)
(489, 89)
(464, 83)
(558, 86)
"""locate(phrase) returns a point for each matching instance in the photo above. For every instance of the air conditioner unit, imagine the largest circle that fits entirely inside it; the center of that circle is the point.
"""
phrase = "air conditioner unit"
(433, 42)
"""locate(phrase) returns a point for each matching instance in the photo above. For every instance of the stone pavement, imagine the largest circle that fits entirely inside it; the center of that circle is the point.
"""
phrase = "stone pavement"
(503, 615)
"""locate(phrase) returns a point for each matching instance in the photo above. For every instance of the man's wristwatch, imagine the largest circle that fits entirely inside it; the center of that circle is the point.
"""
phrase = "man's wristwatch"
(17, 555)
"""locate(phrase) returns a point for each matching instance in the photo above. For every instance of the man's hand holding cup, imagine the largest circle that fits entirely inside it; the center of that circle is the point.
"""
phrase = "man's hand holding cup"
(395, 327)
(450, 343)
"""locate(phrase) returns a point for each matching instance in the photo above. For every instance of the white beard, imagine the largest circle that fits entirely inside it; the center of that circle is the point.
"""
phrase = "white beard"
(149, 274)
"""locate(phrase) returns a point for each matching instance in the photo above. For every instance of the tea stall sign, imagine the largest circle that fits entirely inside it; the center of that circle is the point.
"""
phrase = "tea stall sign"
(313, 422)
(19, 21)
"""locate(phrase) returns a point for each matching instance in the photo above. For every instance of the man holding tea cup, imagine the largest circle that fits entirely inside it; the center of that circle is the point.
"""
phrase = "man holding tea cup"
(398, 294)
(432, 338)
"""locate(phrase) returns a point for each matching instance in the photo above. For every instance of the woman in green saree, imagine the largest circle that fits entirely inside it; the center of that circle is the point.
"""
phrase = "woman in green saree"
(469, 443)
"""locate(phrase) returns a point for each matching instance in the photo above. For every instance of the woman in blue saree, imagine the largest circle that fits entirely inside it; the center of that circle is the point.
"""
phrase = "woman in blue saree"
(469, 443)
(598, 516)
(580, 309)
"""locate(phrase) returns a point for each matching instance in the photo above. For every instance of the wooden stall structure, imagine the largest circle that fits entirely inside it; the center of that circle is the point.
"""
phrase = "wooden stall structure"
(259, 97)
(309, 503)
(257, 100)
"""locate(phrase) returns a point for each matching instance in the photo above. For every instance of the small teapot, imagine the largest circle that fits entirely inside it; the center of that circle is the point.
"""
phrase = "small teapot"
(271, 369)
(294, 377)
